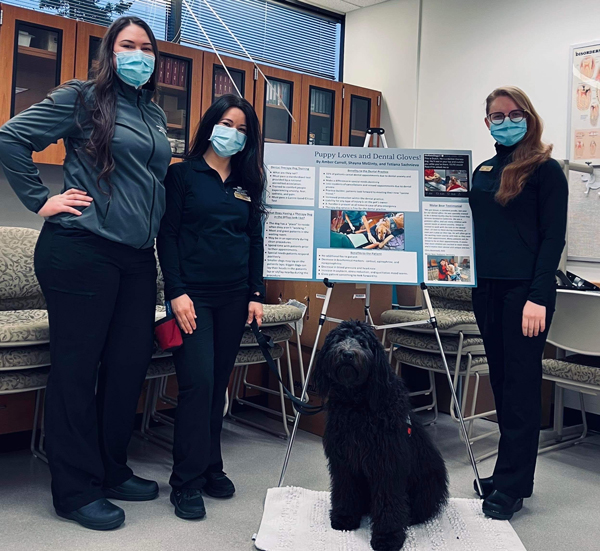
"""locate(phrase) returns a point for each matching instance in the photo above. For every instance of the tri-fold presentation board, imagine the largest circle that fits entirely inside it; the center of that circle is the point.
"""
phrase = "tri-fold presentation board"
(368, 215)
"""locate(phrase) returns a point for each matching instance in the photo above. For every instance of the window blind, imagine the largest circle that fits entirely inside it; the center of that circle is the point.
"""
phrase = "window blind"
(154, 12)
(272, 33)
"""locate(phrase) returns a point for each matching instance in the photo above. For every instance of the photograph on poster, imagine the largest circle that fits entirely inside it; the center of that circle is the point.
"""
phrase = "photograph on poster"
(367, 230)
(448, 268)
(446, 175)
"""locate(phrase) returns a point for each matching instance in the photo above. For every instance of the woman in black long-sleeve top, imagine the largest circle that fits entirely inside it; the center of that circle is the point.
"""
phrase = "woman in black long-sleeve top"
(210, 248)
(519, 203)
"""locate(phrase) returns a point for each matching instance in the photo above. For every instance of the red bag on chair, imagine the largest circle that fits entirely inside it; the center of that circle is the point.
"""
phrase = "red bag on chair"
(167, 332)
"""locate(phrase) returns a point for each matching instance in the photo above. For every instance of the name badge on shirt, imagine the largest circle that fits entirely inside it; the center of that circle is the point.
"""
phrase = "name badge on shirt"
(242, 194)
(486, 168)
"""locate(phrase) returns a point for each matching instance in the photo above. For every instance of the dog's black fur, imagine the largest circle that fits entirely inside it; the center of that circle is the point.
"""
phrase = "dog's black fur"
(377, 468)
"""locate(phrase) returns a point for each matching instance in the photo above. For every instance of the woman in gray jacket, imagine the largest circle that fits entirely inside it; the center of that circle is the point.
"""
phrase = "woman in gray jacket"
(96, 266)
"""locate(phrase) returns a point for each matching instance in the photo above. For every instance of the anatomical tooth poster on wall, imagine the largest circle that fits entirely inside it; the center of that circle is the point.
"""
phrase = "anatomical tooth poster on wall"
(584, 103)
(368, 215)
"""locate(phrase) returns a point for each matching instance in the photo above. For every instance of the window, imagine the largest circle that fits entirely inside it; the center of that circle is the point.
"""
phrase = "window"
(276, 34)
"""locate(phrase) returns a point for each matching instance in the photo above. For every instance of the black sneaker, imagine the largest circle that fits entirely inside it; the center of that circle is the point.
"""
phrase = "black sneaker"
(218, 485)
(134, 489)
(98, 515)
(501, 506)
(487, 486)
(188, 503)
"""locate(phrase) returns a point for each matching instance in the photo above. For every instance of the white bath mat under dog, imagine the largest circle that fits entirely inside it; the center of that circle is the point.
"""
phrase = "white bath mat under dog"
(296, 519)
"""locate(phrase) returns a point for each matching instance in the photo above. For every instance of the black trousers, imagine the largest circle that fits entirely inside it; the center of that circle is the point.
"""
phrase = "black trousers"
(515, 363)
(204, 364)
(101, 298)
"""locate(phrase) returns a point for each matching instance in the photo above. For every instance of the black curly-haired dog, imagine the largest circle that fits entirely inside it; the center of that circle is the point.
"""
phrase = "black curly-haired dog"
(381, 461)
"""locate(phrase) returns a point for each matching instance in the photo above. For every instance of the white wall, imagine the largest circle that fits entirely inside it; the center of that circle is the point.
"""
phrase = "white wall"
(380, 52)
(468, 48)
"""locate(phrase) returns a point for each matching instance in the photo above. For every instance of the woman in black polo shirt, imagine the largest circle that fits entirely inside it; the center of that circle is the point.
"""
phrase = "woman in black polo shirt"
(210, 247)
(519, 203)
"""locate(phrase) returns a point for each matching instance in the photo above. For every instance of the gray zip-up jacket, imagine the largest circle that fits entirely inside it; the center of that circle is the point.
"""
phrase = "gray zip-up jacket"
(130, 209)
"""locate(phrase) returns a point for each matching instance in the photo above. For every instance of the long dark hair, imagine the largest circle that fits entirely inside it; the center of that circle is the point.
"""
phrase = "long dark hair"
(248, 163)
(102, 112)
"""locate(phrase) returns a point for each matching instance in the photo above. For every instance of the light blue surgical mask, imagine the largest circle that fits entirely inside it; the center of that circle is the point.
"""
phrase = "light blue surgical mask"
(134, 68)
(227, 141)
(509, 133)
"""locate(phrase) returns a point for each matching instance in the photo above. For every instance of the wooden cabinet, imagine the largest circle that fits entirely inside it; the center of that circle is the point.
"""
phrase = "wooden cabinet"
(321, 121)
(216, 82)
(286, 89)
(361, 110)
(38, 54)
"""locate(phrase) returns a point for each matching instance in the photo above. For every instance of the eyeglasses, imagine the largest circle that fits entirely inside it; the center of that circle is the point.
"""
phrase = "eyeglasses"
(515, 116)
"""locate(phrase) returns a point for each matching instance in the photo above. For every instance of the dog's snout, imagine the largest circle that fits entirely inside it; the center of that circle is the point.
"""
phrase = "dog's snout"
(347, 355)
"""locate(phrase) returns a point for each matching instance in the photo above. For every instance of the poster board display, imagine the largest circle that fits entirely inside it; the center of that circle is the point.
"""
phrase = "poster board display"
(368, 215)
(584, 103)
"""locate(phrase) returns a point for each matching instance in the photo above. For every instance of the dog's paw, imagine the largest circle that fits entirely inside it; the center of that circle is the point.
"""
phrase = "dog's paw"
(345, 522)
(388, 541)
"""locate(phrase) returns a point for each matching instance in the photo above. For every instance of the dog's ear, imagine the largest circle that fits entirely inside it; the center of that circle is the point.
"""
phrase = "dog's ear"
(321, 373)
(379, 382)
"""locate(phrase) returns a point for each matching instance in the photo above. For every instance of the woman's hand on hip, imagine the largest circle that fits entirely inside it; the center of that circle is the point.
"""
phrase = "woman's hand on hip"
(534, 319)
(185, 314)
(255, 311)
(66, 202)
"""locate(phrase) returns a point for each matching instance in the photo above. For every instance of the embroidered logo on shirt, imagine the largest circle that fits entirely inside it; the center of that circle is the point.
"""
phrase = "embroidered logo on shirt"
(486, 168)
(161, 129)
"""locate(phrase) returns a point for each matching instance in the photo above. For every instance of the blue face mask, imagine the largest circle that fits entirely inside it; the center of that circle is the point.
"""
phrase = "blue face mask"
(134, 68)
(227, 141)
(509, 133)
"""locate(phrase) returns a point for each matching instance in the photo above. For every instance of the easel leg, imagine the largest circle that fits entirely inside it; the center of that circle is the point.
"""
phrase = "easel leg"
(461, 420)
(303, 397)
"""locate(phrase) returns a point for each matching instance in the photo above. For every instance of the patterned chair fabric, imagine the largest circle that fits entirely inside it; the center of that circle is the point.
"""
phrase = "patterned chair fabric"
(161, 367)
(19, 288)
(254, 355)
(426, 342)
(23, 328)
(25, 357)
(274, 314)
(433, 362)
(278, 333)
(578, 373)
(448, 319)
(12, 382)
(462, 294)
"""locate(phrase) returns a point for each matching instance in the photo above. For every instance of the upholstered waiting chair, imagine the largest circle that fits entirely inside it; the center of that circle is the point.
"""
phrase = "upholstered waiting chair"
(574, 331)
(417, 346)
(24, 331)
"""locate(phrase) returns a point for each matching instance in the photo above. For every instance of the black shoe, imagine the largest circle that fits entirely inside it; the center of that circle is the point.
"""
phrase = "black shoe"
(487, 486)
(188, 503)
(218, 485)
(134, 489)
(500, 506)
(98, 515)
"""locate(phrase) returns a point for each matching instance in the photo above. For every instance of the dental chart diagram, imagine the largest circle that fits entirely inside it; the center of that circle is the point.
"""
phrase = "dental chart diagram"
(584, 107)
(368, 215)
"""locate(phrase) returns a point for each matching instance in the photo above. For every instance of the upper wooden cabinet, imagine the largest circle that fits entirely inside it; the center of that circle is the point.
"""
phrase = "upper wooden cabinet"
(179, 83)
(362, 110)
(216, 82)
(37, 54)
(321, 121)
(286, 89)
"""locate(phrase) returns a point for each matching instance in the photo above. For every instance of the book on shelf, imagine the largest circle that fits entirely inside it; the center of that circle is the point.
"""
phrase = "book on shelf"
(161, 70)
(183, 74)
(175, 73)
(168, 70)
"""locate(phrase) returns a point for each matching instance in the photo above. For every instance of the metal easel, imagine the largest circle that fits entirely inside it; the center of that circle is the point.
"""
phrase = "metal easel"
(380, 133)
